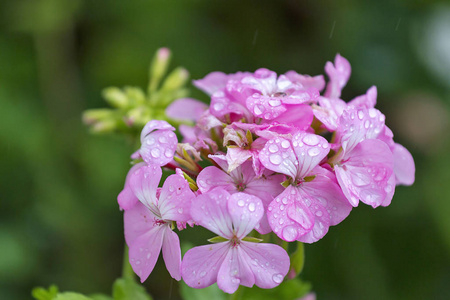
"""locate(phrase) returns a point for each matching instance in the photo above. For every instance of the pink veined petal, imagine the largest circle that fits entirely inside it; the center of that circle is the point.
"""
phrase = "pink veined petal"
(368, 100)
(325, 191)
(265, 107)
(329, 112)
(301, 96)
(159, 147)
(222, 105)
(390, 190)
(144, 251)
(172, 253)
(321, 218)
(137, 221)
(234, 272)
(127, 199)
(245, 211)
(175, 199)
(236, 156)
(278, 156)
(358, 124)
(186, 109)
(268, 262)
(155, 125)
(263, 80)
(317, 82)
(310, 149)
(210, 210)
(201, 264)
(339, 73)
(298, 116)
(212, 177)
(365, 173)
(289, 217)
(144, 183)
(404, 167)
(212, 82)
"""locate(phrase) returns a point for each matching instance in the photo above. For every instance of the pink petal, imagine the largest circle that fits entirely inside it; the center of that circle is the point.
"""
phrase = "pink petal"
(155, 125)
(265, 107)
(298, 116)
(278, 156)
(126, 198)
(368, 100)
(210, 210)
(404, 167)
(245, 211)
(358, 124)
(172, 253)
(144, 183)
(301, 96)
(329, 112)
(137, 221)
(236, 156)
(201, 265)
(289, 217)
(325, 191)
(268, 262)
(212, 82)
(186, 109)
(175, 199)
(365, 174)
(234, 271)
(263, 80)
(222, 105)
(212, 177)
(144, 251)
(159, 147)
(339, 73)
(310, 149)
(317, 82)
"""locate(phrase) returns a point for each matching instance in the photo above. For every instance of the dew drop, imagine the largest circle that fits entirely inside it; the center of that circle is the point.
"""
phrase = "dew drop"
(281, 207)
(202, 274)
(258, 109)
(251, 207)
(285, 144)
(149, 255)
(311, 140)
(289, 233)
(180, 210)
(168, 153)
(372, 112)
(274, 102)
(162, 139)
(138, 262)
(270, 208)
(241, 203)
(284, 200)
(150, 141)
(366, 124)
(171, 188)
(360, 114)
(277, 278)
(273, 148)
(155, 152)
(218, 106)
(275, 159)
(313, 152)
(319, 213)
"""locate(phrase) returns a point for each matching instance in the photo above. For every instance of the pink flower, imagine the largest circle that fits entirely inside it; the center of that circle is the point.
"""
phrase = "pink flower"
(186, 109)
(365, 165)
(127, 199)
(338, 73)
(216, 81)
(158, 143)
(148, 223)
(242, 179)
(313, 201)
(234, 261)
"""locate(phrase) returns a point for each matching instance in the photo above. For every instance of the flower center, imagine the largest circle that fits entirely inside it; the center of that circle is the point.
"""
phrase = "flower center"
(235, 241)
(279, 94)
(241, 186)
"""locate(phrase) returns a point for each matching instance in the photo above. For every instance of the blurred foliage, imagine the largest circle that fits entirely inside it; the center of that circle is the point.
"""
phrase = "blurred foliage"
(59, 219)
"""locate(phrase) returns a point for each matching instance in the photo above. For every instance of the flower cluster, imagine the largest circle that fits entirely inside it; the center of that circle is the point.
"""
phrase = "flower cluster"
(282, 155)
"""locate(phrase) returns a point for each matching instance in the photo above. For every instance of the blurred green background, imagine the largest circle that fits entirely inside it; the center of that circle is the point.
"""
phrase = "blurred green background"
(59, 220)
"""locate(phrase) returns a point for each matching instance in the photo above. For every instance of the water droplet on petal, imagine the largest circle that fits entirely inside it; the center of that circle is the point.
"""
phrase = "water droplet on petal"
(285, 144)
(313, 152)
(241, 203)
(171, 188)
(218, 106)
(366, 124)
(284, 200)
(273, 148)
(162, 139)
(311, 139)
(258, 109)
(319, 213)
(180, 210)
(251, 207)
(275, 159)
(289, 233)
(277, 278)
(202, 274)
(155, 152)
(360, 114)
(274, 102)
(168, 153)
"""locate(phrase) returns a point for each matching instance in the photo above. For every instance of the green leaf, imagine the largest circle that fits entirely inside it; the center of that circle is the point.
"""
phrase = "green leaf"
(209, 293)
(128, 289)
(100, 297)
(217, 239)
(40, 293)
(288, 290)
(298, 258)
(71, 296)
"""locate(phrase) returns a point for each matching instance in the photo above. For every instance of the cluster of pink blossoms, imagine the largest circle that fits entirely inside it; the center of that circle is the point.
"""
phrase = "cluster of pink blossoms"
(282, 158)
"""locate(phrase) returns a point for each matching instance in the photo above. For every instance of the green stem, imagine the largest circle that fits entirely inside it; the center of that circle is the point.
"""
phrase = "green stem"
(127, 270)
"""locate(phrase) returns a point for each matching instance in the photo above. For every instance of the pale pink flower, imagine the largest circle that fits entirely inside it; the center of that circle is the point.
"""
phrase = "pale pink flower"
(338, 73)
(215, 81)
(365, 165)
(148, 223)
(313, 201)
(235, 261)
(126, 198)
(242, 179)
(186, 109)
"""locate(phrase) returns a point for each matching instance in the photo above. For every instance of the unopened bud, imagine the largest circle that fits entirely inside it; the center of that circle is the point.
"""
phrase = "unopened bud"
(158, 68)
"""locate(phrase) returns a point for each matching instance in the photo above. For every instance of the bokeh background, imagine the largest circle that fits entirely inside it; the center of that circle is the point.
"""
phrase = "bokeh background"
(59, 220)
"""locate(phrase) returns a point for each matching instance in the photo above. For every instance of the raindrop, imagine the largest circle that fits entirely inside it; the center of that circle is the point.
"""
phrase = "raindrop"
(241, 203)
(360, 114)
(273, 148)
(275, 159)
(251, 207)
(258, 109)
(319, 213)
(155, 152)
(366, 124)
(218, 106)
(168, 153)
(277, 278)
(311, 140)
(285, 144)
(180, 210)
(284, 200)
(162, 139)
(149, 255)
(274, 102)
(202, 274)
(289, 233)
(313, 152)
